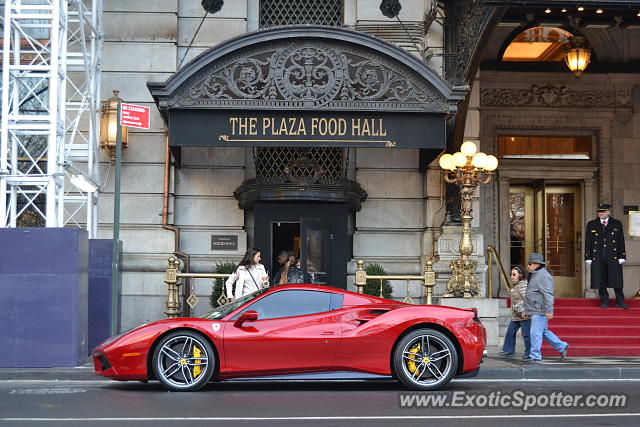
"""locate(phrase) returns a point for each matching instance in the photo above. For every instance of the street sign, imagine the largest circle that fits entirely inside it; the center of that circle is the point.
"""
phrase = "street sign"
(136, 116)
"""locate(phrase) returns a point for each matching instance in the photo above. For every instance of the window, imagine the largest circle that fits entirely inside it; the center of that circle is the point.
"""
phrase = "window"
(293, 303)
(291, 12)
(537, 44)
(544, 147)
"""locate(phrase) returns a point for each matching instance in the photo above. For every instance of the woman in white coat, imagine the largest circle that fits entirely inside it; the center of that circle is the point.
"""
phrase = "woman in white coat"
(249, 276)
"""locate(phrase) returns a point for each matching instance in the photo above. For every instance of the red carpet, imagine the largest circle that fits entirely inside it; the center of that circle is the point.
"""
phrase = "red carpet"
(594, 331)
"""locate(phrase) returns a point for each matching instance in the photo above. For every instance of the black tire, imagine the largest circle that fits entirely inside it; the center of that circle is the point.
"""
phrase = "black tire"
(183, 361)
(425, 369)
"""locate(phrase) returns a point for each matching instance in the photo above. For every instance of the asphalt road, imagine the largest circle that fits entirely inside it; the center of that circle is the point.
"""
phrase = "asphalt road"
(465, 402)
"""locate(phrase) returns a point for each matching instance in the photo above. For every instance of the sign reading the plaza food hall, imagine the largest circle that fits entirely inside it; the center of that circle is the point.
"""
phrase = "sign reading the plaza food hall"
(291, 128)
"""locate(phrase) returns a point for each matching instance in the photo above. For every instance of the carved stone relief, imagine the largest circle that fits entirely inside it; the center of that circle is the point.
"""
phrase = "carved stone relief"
(556, 96)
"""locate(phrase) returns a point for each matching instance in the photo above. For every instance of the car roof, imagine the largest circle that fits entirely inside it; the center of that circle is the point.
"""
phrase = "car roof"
(333, 289)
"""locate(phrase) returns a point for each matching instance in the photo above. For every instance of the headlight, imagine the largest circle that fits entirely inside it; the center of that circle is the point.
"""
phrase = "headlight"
(115, 337)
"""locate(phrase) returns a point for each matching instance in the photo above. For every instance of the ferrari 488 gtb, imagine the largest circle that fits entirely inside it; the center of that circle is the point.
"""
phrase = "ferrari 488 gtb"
(294, 329)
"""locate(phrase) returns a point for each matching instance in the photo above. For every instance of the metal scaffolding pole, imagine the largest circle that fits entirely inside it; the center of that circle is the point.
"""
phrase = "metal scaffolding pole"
(50, 105)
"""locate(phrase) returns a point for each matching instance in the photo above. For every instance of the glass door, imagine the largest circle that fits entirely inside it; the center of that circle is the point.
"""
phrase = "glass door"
(314, 235)
(562, 237)
(546, 219)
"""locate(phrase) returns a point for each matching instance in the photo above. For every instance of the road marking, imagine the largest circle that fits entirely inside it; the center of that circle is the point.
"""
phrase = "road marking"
(335, 418)
(47, 391)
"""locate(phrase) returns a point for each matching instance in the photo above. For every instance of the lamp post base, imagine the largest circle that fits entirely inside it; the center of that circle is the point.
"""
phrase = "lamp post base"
(463, 282)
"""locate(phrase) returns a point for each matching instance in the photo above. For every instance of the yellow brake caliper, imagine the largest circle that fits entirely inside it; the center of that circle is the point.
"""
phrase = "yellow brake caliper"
(197, 370)
(411, 364)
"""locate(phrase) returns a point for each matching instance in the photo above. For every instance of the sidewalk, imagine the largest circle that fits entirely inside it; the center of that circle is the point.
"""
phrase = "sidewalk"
(500, 367)
(494, 367)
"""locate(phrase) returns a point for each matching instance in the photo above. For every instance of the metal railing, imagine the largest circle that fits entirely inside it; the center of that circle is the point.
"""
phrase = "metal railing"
(428, 279)
(173, 279)
(492, 254)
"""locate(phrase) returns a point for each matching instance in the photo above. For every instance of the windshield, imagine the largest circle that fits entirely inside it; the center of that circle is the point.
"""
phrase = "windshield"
(223, 310)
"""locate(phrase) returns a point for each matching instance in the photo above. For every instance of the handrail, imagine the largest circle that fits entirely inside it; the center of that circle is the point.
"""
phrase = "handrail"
(173, 276)
(172, 279)
(428, 279)
(491, 251)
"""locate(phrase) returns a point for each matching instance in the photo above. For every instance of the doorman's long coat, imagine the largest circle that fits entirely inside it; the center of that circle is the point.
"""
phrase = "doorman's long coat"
(605, 245)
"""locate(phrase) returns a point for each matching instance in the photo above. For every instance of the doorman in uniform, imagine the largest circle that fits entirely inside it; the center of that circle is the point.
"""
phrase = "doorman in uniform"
(604, 251)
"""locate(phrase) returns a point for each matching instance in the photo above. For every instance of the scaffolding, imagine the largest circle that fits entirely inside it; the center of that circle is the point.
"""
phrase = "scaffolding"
(49, 169)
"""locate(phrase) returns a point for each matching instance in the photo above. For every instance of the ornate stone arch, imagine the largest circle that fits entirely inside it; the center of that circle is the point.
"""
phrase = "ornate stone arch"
(302, 71)
(310, 67)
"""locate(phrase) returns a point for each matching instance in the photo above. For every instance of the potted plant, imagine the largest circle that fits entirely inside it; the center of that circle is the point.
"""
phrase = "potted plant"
(373, 285)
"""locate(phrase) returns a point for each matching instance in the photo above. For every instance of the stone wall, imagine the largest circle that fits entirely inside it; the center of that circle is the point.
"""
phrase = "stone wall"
(148, 41)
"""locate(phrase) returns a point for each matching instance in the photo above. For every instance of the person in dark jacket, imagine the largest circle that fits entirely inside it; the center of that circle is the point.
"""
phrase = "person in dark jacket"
(604, 251)
(291, 273)
(283, 256)
(538, 305)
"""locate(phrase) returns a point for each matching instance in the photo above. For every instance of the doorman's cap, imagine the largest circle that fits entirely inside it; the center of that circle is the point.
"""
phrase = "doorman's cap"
(536, 259)
(603, 207)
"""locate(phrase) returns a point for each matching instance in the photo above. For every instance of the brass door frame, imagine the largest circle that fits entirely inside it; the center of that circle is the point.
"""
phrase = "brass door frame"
(536, 229)
(566, 286)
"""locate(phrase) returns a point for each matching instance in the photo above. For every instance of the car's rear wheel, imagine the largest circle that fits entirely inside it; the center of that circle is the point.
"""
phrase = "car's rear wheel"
(183, 361)
(425, 359)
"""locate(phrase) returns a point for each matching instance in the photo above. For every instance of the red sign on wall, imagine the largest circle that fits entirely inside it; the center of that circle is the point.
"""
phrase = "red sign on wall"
(136, 116)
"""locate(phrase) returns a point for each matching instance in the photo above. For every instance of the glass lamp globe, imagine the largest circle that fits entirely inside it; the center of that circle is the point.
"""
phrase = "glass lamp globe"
(459, 159)
(491, 163)
(469, 148)
(446, 162)
(479, 160)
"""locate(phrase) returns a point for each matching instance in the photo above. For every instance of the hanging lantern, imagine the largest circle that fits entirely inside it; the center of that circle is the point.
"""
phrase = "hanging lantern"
(577, 55)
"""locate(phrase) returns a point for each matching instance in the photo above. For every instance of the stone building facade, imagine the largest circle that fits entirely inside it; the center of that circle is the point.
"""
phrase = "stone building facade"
(404, 219)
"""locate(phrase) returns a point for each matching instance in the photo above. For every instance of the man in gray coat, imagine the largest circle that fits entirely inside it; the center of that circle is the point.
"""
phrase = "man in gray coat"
(538, 304)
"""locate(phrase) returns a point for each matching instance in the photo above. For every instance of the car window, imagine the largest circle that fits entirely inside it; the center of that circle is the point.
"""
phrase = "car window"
(289, 303)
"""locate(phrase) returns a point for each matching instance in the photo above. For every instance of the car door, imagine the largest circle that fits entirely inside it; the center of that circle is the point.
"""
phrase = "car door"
(296, 331)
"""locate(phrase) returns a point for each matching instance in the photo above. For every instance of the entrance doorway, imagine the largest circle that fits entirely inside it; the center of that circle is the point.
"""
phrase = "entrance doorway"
(309, 240)
(546, 219)
(317, 233)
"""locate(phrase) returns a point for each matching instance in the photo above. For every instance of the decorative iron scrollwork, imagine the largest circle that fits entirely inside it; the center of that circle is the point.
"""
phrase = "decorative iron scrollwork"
(308, 74)
(303, 171)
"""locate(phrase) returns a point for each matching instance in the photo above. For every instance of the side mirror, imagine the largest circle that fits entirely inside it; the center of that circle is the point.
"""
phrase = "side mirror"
(247, 316)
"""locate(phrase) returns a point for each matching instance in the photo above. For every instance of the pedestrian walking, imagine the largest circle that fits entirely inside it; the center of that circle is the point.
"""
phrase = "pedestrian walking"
(518, 321)
(538, 305)
(604, 251)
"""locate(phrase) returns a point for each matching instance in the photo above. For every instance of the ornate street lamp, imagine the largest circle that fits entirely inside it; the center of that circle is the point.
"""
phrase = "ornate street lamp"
(577, 55)
(109, 126)
(114, 138)
(467, 169)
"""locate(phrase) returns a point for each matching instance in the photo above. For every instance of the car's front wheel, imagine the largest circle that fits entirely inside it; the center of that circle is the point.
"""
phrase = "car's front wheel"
(425, 359)
(183, 361)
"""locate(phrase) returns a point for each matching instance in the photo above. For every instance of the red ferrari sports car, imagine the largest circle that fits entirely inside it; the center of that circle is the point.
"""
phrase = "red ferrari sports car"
(294, 329)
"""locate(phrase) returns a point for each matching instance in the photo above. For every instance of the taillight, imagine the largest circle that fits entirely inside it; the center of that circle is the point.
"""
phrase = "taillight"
(475, 315)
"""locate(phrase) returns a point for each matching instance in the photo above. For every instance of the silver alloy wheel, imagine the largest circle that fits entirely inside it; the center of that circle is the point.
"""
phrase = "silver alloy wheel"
(182, 362)
(427, 360)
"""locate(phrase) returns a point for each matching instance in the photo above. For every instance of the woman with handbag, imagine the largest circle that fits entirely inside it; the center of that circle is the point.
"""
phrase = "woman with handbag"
(249, 276)
(517, 316)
